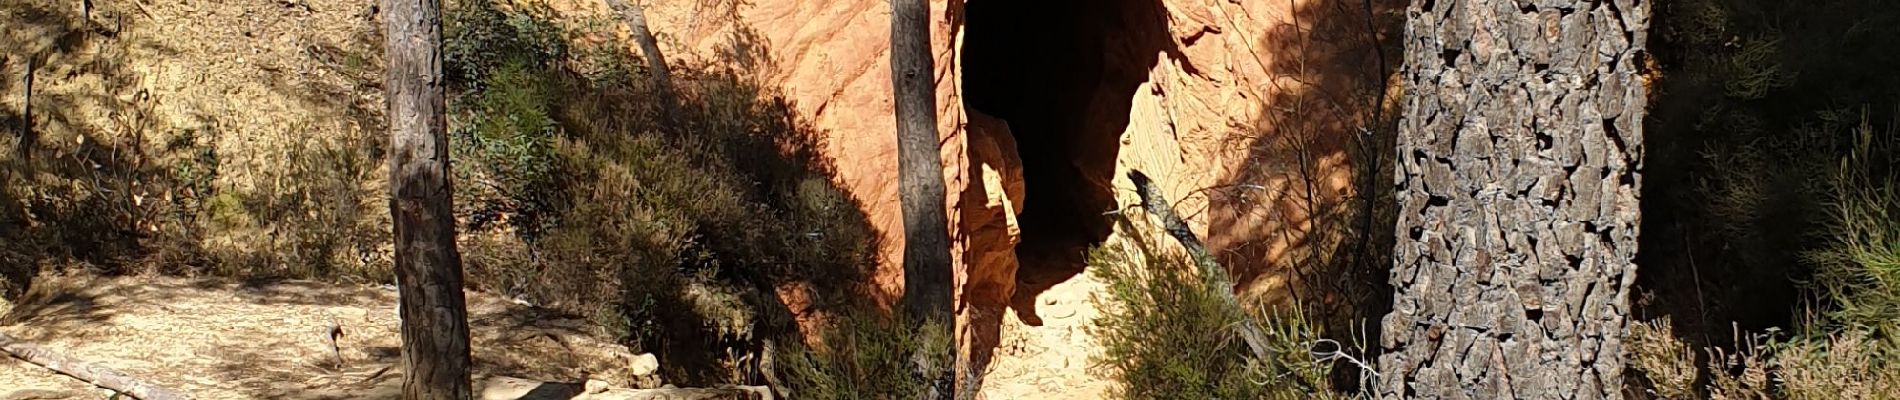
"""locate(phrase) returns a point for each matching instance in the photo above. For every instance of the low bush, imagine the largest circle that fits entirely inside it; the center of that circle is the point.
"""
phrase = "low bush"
(674, 234)
(1848, 346)
(1166, 334)
(864, 355)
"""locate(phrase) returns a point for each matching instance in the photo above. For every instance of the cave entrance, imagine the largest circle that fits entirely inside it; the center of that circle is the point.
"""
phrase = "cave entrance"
(1063, 74)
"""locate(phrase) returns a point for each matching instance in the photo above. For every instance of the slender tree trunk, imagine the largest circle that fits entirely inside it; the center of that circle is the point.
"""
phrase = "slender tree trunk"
(662, 76)
(1518, 178)
(927, 273)
(27, 137)
(428, 269)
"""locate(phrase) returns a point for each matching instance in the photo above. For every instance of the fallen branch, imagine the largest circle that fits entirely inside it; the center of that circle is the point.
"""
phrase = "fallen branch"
(97, 375)
(1211, 271)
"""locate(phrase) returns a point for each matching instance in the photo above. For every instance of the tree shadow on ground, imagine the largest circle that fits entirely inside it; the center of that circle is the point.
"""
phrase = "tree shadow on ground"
(695, 240)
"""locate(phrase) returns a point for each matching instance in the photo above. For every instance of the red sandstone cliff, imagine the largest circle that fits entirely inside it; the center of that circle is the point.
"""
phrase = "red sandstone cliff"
(1243, 111)
(1226, 103)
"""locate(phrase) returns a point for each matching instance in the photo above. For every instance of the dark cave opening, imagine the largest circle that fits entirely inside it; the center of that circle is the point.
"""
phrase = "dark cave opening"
(1063, 74)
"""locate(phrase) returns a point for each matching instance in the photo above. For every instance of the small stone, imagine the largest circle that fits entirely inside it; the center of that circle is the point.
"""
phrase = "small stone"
(645, 364)
(594, 386)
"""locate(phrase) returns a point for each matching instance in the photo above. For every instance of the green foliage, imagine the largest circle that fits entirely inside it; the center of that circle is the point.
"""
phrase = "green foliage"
(1743, 193)
(479, 39)
(329, 218)
(1786, 184)
(1858, 267)
(867, 355)
(1166, 334)
(507, 144)
(673, 235)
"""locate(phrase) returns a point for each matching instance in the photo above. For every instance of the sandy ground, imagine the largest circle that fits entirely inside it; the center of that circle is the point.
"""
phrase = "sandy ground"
(1051, 361)
(222, 340)
(215, 340)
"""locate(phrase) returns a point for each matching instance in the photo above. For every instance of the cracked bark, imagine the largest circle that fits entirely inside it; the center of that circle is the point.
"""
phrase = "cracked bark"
(435, 349)
(1517, 184)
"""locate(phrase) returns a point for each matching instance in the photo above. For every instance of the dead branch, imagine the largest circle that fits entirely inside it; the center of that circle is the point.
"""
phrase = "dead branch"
(1216, 276)
(97, 375)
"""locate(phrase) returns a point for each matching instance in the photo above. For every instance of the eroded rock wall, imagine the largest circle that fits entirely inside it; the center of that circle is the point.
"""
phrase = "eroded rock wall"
(1234, 107)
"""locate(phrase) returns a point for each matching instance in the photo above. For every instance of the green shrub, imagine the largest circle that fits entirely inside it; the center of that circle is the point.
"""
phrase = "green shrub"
(866, 354)
(671, 234)
(478, 39)
(1857, 268)
(1165, 334)
(1744, 211)
(1851, 348)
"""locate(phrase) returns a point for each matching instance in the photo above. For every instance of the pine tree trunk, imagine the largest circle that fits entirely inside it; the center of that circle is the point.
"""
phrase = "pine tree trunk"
(428, 269)
(927, 273)
(1518, 178)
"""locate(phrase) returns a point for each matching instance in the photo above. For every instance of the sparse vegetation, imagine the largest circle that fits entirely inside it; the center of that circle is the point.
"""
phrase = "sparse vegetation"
(570, 192)
(1776, 144)
(580, 197)
(1165, 334)
(863, 355)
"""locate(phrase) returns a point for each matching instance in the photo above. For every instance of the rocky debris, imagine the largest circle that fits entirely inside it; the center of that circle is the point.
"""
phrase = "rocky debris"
(645, 369)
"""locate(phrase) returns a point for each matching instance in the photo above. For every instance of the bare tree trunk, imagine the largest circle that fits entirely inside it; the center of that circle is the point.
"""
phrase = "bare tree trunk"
(636, 17)
(428, 269)
(27, 137)
(1518, 178)
(927, 273)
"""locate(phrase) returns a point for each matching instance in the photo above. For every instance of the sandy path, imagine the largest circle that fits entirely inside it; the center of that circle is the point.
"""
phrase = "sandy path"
(217, 340)
(1049, 361)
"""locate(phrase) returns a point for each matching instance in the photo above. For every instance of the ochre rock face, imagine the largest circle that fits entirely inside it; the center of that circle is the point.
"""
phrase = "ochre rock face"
(832, 61)
(1043, 106)
(988, 209)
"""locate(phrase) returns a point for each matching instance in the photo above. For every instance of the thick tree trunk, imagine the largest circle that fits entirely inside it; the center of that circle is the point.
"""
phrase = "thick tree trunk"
(1517, 183)
(927, 274)
(428, 269)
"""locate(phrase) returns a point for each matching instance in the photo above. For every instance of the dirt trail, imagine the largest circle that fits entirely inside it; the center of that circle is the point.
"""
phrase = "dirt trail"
(216, 340)
(221, 340)
(1051, 361)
